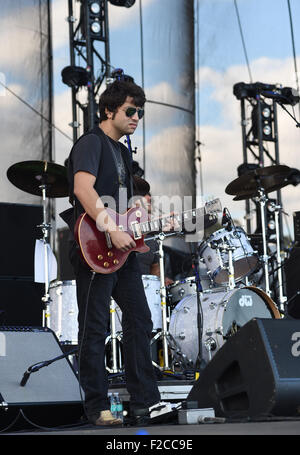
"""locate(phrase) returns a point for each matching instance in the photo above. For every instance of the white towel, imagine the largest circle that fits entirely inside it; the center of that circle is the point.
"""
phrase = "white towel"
(39, 263)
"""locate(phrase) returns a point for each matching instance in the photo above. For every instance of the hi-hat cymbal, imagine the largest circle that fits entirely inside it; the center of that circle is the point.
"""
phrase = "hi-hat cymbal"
(271, 178)
(30, 175)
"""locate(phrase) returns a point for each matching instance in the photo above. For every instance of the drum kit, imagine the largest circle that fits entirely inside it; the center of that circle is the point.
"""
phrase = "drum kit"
(193, 317)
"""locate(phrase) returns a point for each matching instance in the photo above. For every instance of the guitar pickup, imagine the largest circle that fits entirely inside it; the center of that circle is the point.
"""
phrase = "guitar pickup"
(136, 230)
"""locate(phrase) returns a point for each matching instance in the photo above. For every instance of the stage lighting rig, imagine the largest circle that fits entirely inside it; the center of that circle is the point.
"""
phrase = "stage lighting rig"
(92, 19)
(263, 117)
(75, 76)
(283, 95)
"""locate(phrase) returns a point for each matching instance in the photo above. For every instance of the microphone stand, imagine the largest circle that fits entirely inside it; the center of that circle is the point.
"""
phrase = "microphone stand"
(200, 362)
(39, 365)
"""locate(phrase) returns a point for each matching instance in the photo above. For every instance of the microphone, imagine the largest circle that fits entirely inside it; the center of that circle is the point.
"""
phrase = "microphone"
(226, 219)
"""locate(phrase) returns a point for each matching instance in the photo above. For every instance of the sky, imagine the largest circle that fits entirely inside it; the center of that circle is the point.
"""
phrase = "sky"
(220, 63)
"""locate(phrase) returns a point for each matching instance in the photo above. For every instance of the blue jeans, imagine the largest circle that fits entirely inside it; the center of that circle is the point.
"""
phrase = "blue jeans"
(127, 289)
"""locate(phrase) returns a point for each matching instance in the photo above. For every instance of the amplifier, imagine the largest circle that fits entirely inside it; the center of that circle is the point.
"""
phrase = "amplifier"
(51, 394)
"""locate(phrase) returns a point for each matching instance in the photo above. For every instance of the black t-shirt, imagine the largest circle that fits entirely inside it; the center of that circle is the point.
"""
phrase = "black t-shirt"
(88, 156)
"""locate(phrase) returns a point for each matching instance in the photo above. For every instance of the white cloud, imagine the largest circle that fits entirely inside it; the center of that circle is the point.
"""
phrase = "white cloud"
(223, 150)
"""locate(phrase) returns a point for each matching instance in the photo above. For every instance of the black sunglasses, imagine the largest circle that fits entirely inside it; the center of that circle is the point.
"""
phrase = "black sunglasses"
(130, 111)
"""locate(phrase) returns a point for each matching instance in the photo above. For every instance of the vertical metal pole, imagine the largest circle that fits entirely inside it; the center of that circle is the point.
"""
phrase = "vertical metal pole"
(282, 298)
(113, 335)
(107, 48)
(90, 70)
(244, 141)
(260, 132)
(262, 202)
(72, 62)
(277, 161)
(163, 298)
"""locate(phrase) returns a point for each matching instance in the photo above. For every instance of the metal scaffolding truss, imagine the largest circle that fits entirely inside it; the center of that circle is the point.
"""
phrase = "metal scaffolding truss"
(89, 43)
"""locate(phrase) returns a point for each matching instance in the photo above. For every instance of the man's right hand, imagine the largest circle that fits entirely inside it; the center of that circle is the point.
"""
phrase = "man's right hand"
(122, 241)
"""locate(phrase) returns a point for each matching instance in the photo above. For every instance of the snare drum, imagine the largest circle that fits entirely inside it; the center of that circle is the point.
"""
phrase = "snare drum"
(217, 260)
(224, 312)
(152, 290)
(64, 311)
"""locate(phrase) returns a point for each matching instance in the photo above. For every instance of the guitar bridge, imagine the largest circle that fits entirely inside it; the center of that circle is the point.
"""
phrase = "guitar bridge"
(136, 230)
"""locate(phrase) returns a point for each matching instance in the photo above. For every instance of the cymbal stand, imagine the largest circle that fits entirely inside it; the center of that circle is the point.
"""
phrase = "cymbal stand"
(262, 202)
(282, 298)
(163, 334)
(114, 338)
(46, 230)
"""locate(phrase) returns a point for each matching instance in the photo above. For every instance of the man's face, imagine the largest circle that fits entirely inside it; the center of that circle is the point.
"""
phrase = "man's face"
(121, 122)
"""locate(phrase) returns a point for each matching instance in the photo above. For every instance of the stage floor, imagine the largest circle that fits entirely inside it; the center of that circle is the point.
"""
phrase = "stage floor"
(276, 427)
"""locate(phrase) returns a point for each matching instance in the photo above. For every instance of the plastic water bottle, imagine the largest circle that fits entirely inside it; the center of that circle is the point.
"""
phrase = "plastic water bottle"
(119, 406)
(113, 404)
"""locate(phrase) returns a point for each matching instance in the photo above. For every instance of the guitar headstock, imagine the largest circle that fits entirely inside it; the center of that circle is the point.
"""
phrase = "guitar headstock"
(213, 207)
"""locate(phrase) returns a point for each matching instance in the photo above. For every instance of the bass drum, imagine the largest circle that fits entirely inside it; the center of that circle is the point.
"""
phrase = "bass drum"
(223, 314)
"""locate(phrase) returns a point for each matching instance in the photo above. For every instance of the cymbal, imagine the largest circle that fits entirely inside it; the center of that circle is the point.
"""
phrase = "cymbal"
(30, 175)
(271, 178)
(140, 186)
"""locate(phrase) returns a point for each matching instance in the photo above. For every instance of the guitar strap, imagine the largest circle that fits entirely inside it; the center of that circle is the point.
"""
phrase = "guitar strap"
(69, 216)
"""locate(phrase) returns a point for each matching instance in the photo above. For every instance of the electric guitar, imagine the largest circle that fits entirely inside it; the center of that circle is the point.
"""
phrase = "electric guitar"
(97, 250)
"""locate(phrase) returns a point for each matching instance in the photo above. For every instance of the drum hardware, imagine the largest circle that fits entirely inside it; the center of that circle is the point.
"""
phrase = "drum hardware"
(282, 298)
(262, 199)
(46, 227)
(231, 310)
(163, 334)
(47, 180)
(200, 363)
(256, 184)
(114, 338)
(228, 249)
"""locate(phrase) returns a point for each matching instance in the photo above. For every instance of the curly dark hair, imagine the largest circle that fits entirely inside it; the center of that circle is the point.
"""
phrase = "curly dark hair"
(115, 96)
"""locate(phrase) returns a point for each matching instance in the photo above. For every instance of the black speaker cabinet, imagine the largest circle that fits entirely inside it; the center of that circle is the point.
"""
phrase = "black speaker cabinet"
(19, 231)
(256, 372)
(292, 275)
(21, 302)
(51, 394)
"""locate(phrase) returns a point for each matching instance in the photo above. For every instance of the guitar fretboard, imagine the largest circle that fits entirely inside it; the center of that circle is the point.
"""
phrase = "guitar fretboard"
(158, 224)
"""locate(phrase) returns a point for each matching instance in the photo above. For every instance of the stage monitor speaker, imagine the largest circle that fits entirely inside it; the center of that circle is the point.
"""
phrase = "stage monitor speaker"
(255, 373)
(51, 395)
(19, 231)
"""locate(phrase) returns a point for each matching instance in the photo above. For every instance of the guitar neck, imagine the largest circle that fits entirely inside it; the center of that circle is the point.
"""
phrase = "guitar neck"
(188, 216)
